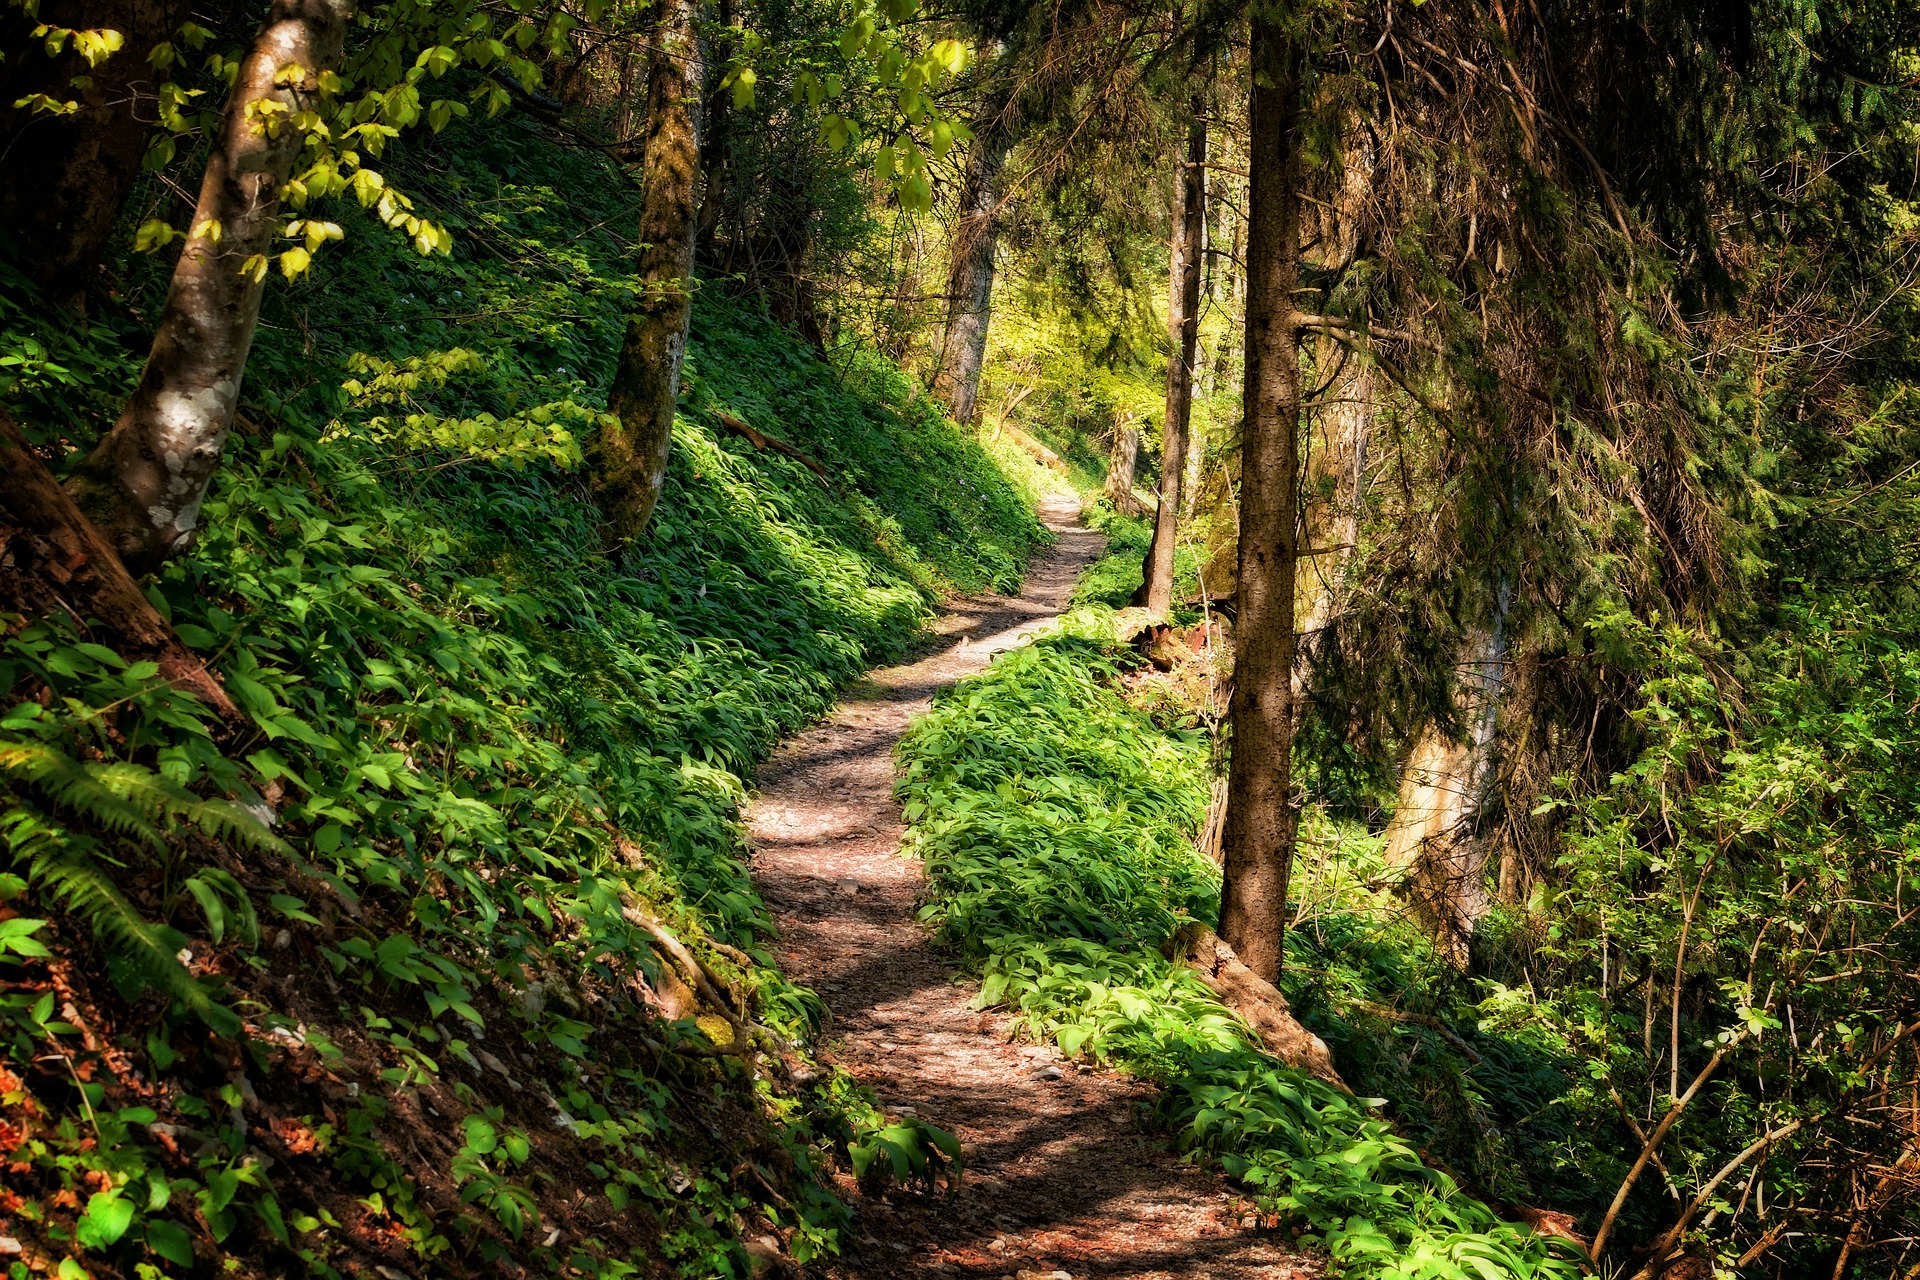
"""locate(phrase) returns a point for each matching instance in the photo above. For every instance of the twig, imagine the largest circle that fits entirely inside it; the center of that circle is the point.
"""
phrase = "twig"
(1653, 1141)
(761, 440)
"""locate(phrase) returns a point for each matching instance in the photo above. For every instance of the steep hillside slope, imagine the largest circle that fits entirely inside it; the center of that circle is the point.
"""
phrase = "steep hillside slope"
(445, 961)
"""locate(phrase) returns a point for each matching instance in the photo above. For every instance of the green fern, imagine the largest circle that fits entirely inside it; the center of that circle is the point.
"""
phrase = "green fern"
(62, 822)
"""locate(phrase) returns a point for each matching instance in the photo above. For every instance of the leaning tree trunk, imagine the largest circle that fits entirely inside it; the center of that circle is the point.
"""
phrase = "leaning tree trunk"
(1183, 332)
(963, 346)
(629, 459)
(1434, 843)
(144, 483)
(53, 560)
(1257, 843)
(64, 177)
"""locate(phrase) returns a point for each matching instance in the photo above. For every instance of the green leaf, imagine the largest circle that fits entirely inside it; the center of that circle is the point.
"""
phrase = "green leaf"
(107, 1218)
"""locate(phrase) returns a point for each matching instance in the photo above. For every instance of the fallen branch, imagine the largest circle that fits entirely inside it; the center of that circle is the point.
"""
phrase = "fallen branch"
(761, 440)
(709, 989)
(1426, 1020)
(52, 558)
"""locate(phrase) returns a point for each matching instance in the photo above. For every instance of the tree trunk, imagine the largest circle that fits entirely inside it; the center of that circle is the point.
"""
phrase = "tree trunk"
(65, 178)
(963, 348)
(52, 560)
(1259, 835)
(1433, 842)
(1337, 438)
(716, 143)
(1183, 332)
(630, 459)
(144, 483)
(1122, 457)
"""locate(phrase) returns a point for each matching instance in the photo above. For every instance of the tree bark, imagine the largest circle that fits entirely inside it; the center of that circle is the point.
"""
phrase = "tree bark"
(144, 484)
(629, 460)
(1123, 455)
(1259, 836)
(1183, 333)
(963, 346)
(65, 178)
(1433, 842)
(52, 560)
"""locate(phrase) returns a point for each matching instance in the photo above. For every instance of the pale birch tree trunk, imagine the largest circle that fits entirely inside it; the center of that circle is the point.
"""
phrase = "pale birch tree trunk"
(1123, 456)
(1434, 843)
(1337, 438)
(144, 484)
(1183, 335)
(629, 457)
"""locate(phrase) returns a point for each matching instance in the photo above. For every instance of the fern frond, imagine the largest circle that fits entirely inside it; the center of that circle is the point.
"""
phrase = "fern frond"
(80, 790)
(75, 882)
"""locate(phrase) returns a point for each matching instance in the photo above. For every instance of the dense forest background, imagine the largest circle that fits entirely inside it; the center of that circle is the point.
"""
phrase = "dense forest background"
(447, 445)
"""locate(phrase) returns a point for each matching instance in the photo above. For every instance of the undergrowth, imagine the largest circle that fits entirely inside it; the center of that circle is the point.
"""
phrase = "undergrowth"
(1116, 575)
(385, 990)
(1056, 824)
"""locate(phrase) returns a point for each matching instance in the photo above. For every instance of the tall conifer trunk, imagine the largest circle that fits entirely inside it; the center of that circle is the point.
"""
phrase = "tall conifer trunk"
(1257, 844)
(144, 483)
(65, 177)
(963, 346)
(629, 457)
(1183, 332)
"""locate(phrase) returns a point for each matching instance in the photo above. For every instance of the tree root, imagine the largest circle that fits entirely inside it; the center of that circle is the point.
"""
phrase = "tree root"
(1257, 1001)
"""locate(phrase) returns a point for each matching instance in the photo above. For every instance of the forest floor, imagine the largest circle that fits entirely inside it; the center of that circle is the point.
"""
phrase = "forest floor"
(1061, 1181)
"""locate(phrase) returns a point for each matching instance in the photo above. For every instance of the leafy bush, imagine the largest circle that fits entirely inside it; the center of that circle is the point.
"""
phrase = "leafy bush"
(1056, 826)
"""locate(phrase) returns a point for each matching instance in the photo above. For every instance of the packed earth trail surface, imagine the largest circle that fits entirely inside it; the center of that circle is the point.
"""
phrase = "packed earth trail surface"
(1060, 1179)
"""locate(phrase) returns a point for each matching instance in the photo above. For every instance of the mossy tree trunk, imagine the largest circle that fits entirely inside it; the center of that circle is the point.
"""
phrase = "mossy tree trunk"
(144, 483)
(963, 346)
(1257, 843)
(1183, 333)
(629, 456)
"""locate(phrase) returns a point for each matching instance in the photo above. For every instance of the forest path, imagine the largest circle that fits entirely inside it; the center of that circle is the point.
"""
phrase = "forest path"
(1060, 1180)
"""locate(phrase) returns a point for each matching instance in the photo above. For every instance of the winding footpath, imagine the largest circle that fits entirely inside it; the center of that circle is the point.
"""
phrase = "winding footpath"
(1061, 1182)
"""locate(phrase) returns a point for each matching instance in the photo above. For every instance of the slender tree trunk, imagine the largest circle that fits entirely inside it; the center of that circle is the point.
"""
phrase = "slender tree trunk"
(1123, 455)
(1337, 439)
(53, 560)
(1434, 842)
(144, 484)
(64, 178)
(630, 459)
(716, 149)
(963, 348)
(1183, 332)
(1258, 839)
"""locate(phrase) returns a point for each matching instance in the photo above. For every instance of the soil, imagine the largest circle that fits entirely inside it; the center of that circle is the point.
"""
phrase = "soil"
(1061, 1181)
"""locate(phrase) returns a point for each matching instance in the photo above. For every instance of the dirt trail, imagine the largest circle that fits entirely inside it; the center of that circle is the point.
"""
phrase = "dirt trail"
(1060, 1179)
